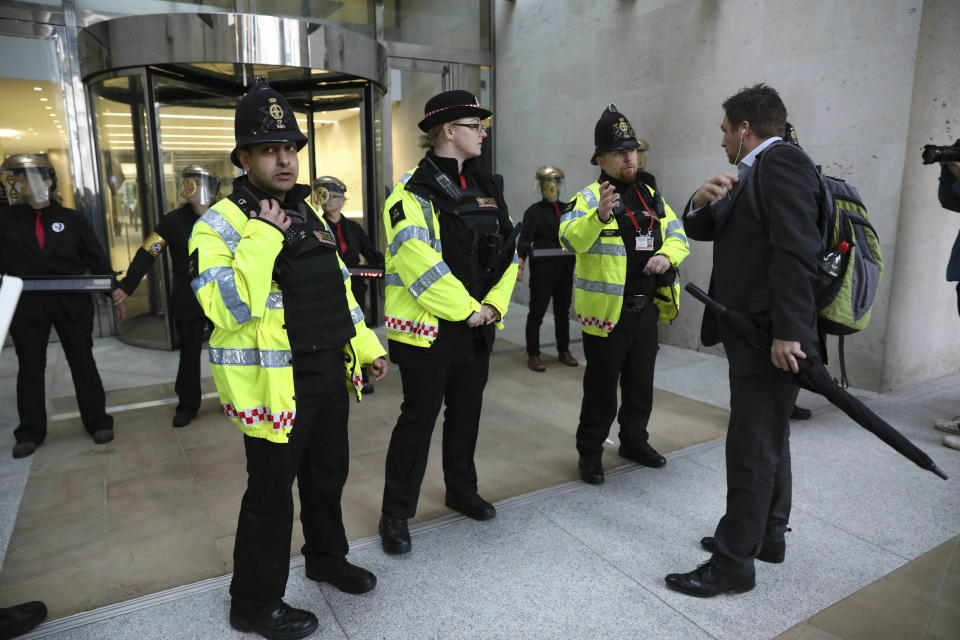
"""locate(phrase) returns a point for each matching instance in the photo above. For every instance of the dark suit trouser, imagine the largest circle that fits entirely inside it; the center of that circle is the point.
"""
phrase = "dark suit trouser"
(758, 467)
(187, 386)
(549, 278)
(424, 391)
(627, 354)
(318, 456)
(72, 316)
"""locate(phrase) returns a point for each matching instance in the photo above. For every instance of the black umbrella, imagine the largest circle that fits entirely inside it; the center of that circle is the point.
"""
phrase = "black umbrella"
(815, 377)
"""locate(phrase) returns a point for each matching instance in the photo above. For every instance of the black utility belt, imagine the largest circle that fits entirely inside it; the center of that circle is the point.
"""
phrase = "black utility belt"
(637, 302)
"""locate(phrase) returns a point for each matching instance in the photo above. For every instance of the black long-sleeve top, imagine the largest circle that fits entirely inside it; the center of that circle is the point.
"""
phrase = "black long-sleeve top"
(352, 242)
(541, 228)
(173, 231)
(70, 245)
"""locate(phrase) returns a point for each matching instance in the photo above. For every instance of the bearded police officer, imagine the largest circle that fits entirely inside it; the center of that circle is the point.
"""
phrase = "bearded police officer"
(200, 188)
(551, 269)
(443, 299)
(628, 243)
(39, 237)
(270, 280)
(352, 241)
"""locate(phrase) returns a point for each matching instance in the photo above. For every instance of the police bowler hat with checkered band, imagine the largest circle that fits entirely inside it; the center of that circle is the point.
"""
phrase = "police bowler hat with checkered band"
(449, 106)
(263, 115)
(613, 132)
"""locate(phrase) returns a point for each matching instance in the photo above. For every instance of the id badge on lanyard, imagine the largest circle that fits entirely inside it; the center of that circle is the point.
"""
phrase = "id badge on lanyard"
(644, 242)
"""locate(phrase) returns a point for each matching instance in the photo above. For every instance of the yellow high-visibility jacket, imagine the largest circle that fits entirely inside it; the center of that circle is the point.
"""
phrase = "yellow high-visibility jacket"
(601, 270)
(419, 285)
(250, 354)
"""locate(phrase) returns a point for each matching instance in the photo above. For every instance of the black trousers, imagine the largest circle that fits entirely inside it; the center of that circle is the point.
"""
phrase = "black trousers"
(758, 467)
(628, 355)
(549, 278)
(72, 316)
(187, 386)
(318, 456)
(424, 391)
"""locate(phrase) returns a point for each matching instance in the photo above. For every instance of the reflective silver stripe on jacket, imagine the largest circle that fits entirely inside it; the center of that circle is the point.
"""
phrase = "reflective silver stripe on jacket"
(591, 199)
(612, 249)
(228, 291)
(409, 233)
(573, 215)
(433, 274)
(218, 223)
(392, 280)
(356, 314)
(405, 178)
(675, 230)
(427, 210)
(346, 274)
(268, 359)
(598, 287)
(275, 300)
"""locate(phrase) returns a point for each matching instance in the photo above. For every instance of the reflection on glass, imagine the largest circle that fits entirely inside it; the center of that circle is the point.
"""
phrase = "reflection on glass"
(337, 144)
(32, 110)
(356, 15)
(126, 189)
(409, 91)
(464, 24)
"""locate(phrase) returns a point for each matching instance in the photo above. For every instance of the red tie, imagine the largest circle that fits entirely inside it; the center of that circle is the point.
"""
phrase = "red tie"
(39, 230)
(342, 243)
(556, 208)
(463, 182)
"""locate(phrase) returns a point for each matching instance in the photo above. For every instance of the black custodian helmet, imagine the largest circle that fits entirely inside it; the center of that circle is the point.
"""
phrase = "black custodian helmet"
(263, 115)
(612, 133)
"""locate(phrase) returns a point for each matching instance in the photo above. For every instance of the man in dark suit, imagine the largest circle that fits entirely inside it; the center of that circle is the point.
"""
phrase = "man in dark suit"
(763, 223)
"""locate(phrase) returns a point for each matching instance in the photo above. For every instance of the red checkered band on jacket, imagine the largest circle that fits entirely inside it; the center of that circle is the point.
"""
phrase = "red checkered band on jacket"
(409, 326)
(250, 417)
(358, 381)
(590, 321)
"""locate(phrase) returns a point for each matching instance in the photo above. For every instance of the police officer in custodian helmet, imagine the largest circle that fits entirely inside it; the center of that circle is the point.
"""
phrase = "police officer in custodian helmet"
(200, 188)
(288, 337)
(40, 237)
(450, 271)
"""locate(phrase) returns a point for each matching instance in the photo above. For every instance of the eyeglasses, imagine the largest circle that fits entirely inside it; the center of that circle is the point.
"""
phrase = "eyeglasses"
(476, 126)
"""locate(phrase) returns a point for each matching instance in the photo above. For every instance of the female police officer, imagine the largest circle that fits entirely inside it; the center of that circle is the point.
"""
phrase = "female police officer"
(442, 301)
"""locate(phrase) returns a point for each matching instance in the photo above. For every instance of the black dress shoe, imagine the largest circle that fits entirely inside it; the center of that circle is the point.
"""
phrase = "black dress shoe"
(394, 535)
(349, 578)
(707, 581)
(23, 449)
(799, 413)
(471, 506)
(183, 418)
(103, 436)
(642, 453)
(279, 623)
(772, 551)
(19, 619)
(591, 469)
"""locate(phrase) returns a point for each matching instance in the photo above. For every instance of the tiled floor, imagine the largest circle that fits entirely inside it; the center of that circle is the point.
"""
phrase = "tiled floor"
(157, 507)
(873, 553)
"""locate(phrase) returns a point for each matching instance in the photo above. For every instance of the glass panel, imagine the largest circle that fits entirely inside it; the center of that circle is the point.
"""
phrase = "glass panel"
(356, 15)
(126, 188)
(115, 8)
(337, 151)
(409, 91)
(440, 23)
(32, 109)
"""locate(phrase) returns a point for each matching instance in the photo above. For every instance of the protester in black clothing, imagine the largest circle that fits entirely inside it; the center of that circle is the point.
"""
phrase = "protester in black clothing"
(551, 272)
(352, 241)
(39, 237)
(200, 188)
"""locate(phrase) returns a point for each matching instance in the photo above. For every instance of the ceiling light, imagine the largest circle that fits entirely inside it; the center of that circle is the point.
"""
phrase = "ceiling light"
(48, 107)
(44, 99)
(38, 88)
(52, 115)
(8, 133)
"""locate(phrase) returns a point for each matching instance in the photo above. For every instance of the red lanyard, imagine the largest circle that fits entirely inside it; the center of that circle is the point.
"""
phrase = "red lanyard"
(650, 213)
(343, 242)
